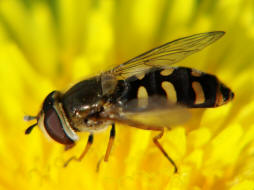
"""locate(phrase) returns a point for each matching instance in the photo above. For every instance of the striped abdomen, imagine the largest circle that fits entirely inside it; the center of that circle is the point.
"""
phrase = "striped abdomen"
(180, 85)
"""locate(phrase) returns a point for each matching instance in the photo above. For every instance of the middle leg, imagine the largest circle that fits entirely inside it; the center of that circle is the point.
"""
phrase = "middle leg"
(111, 141)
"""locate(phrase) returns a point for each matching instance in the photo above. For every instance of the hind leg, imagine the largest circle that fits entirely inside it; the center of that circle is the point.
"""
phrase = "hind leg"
(156, 142)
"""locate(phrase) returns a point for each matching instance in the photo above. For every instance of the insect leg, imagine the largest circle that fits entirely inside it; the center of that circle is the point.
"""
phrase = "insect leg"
(110, 143)
(89, 143)
(156, 142)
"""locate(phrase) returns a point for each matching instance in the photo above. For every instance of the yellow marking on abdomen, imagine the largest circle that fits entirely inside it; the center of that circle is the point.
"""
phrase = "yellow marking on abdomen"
(140, 76)
(142, 97)
(170, 91)
(219, 98)
(199, 93)
(167, 72)
(196, 73)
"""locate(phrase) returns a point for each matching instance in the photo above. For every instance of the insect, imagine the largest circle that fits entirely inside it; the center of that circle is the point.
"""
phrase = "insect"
(145, 92)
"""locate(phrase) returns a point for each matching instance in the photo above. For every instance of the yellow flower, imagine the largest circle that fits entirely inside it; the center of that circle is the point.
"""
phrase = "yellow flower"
(48, 45)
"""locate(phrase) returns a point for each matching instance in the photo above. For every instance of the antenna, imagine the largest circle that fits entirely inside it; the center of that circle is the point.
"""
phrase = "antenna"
(29, 118)
(29, 129)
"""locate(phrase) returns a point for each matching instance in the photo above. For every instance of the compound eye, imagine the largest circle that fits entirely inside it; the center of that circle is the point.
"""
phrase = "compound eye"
(54, 127)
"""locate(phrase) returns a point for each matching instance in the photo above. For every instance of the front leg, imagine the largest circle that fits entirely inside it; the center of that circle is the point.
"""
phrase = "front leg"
(89, 143)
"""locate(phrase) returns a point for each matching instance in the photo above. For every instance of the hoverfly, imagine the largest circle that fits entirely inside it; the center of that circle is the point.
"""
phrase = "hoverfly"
(145, 92)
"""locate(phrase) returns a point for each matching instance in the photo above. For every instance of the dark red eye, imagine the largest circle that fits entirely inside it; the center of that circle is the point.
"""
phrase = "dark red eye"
(54, 127)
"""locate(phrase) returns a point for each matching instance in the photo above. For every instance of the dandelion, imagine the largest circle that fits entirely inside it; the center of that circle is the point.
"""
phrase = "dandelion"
(48, 45)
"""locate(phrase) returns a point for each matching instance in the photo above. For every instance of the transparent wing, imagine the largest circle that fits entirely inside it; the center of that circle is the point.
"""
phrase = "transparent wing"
(166, 54)
(158, 113)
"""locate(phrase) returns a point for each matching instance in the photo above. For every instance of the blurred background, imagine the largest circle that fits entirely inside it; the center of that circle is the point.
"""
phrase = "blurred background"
(47, 45)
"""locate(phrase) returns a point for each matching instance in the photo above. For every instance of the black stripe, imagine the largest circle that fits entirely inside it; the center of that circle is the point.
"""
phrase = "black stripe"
(181, 79)
(152, 82)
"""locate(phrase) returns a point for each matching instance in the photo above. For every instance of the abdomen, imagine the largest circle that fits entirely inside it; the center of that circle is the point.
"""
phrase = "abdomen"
(180, 85)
